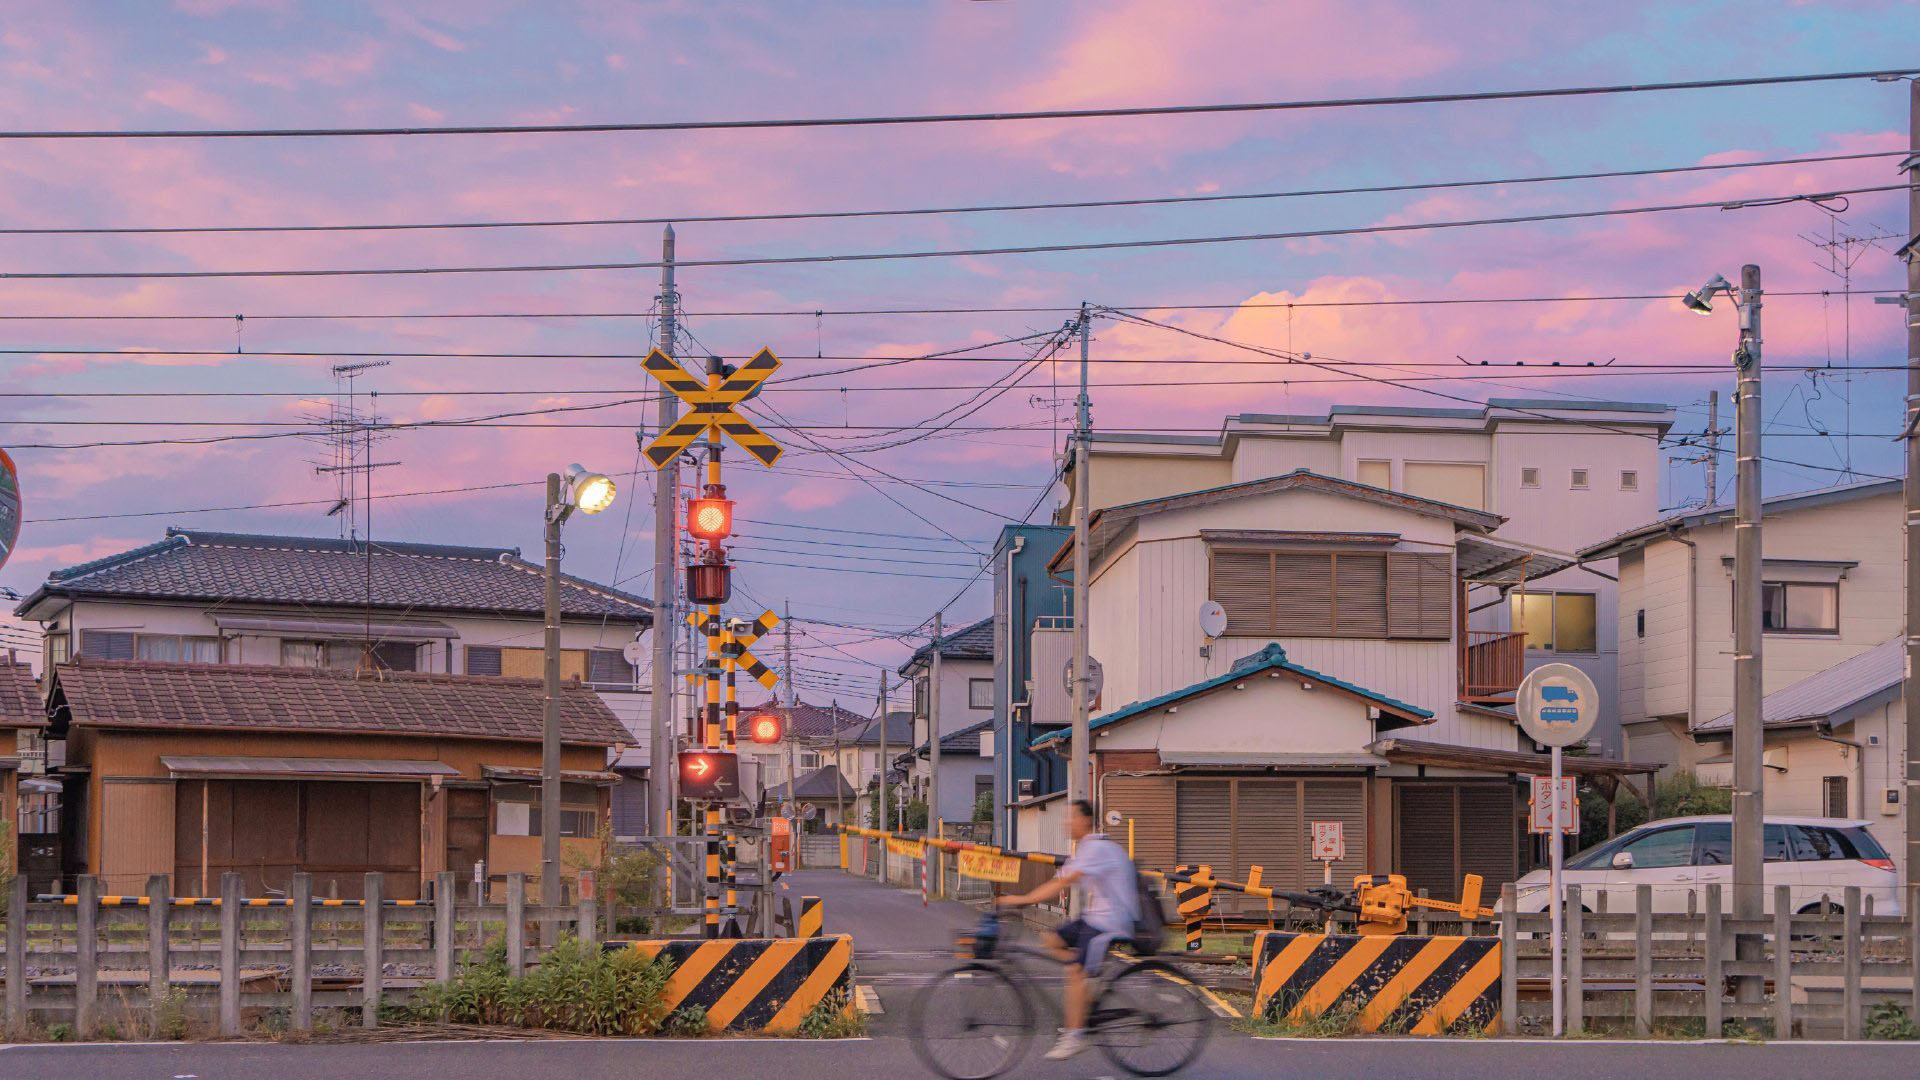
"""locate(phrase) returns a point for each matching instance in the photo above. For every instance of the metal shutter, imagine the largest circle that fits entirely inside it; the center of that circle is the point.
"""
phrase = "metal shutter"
(1489, 835)
(1360, 595)
(1419, 595)
(609, 666)
(1242, 582)
(1204, 832)
(483, 660)
(1302, 593)
(1270, 832)
(1425, 837)
(1344, 801)
(1148, 802)
(106, 645)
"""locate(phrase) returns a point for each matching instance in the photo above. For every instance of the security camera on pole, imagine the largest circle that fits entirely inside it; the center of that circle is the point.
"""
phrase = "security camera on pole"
(1557, 706)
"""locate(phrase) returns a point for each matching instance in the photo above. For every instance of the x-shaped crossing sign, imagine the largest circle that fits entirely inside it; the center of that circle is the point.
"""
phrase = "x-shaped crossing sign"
(712, 408)
(733, 646)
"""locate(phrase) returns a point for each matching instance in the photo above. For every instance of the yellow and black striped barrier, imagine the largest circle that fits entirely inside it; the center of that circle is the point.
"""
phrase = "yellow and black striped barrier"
(73, 900)
(1400, 984)
(813, 918)
(755, 984)
(1194, 898)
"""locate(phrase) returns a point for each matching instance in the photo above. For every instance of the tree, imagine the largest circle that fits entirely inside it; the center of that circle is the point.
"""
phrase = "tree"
(1678, 794)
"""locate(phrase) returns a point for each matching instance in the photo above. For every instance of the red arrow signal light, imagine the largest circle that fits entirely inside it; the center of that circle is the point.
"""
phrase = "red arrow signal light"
(709, 775)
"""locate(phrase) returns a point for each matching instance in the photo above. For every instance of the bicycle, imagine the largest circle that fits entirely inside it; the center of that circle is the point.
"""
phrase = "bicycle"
(978, 1020)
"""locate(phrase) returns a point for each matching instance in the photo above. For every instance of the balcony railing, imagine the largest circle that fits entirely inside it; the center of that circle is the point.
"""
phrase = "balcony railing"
(1492, 663)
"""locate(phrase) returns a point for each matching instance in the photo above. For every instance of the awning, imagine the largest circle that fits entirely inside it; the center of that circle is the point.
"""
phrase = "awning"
(413, 629)
(8, 764)
(515, 772)
(1449, 756)
(1505, 562)
(309, 768)
(1229, 759)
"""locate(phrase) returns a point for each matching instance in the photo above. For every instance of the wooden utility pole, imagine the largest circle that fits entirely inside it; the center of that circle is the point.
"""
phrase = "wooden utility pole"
(1079, 772)
(933, 732)
(1749, 741)
(666, 580)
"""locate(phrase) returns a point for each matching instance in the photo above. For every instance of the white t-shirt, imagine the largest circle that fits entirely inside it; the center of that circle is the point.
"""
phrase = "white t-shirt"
(1107, 878)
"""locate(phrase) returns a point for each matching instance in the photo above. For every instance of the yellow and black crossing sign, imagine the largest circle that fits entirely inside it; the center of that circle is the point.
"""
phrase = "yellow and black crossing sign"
(755, 984)
(1402, 984)
(733, 645)
(712, 408)
(1195, 901)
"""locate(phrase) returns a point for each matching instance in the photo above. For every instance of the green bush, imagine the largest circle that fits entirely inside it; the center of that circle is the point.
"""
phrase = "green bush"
(833, 1018)
(574, 988)
(1677, 794)
(983, 807)
(1888, 1020)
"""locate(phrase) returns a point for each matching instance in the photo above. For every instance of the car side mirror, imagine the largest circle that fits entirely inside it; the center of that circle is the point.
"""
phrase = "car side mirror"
(1623, 860)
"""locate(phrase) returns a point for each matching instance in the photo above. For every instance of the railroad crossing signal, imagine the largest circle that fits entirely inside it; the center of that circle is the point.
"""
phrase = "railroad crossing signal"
(712, 409)
(709, 775)
(733, 646)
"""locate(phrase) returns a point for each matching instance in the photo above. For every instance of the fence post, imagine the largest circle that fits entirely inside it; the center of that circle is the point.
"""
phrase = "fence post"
(1851, 994)
(588, 927)
(1509, 963)
(517, 924)
(443, 909)
(1576, 964)
(1643, 960)
(230, 954)
(86, 954)
(17, 954)
(1782, 962)
(1716, 982)
(1420, 925)
(159, 952)
(373, 923)
(300, 944)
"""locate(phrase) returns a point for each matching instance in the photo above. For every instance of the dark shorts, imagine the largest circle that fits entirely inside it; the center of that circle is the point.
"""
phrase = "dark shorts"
(1088, 944)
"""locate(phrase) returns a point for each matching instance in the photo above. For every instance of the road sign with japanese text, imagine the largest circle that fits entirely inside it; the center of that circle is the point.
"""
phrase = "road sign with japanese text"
(1540, 806)
(1329, 841)
(988, 866)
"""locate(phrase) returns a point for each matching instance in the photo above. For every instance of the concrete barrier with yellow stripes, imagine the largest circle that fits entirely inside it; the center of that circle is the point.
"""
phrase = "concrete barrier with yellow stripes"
(1403, 984)
(756, 984)
(1194, 898)
(813, 918)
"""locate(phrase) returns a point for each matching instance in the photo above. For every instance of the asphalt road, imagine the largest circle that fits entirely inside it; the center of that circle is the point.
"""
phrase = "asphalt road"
(900, 943)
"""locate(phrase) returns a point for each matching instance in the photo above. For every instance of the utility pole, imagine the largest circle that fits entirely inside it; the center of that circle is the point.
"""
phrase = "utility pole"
(1911, 689)
(550, 709)
(1713, 447)
(1749, 743)
(839, 800)
(666, 578)
(1078, 773)
(885, 815)
(933, 733)
(787, 730)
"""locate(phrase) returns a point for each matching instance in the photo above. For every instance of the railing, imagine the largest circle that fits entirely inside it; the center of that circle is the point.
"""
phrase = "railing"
(1492, 663)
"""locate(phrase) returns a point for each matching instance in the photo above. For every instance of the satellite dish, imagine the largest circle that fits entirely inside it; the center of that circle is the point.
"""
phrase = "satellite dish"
(1213, 619)
(634, 652)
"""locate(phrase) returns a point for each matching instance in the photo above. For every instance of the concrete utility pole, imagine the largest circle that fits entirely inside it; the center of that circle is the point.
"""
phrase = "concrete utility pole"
(885, 814)
(933, 733)
(839, 800)
(1713, 447)
(666, 579)
(1749, 742)
(1079, 773)
(1911, 691)
(550, 716)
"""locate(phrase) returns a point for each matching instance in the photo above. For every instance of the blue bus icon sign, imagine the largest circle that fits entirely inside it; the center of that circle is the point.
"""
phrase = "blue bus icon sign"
(1559, 705)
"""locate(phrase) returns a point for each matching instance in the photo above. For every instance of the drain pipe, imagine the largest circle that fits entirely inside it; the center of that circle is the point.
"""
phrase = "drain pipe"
(1825, 734)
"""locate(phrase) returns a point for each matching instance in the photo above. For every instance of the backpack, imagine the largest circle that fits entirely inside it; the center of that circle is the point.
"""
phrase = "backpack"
(1150, 928)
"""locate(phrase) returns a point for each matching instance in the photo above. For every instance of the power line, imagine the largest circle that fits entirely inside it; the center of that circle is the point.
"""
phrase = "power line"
(988, 208)
(1887, 75)
(944, 253)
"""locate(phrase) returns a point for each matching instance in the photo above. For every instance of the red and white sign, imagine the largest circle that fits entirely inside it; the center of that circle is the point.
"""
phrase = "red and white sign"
(1540, 806)
(1329, 841)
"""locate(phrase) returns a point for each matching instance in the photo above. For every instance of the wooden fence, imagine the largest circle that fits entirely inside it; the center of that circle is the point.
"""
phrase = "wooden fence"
(83, 961)
(1643, 971)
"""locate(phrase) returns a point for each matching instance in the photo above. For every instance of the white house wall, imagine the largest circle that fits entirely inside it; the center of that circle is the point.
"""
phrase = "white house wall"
(1264, 713)
(1258, 457)
(1665, 588)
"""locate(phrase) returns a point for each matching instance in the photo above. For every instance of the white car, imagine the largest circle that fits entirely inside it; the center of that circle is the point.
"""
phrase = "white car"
(1816, 857)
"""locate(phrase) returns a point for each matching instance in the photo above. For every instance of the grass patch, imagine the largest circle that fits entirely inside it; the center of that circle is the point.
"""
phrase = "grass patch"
(833, 1018)
(1888, 1020)
(574, 988)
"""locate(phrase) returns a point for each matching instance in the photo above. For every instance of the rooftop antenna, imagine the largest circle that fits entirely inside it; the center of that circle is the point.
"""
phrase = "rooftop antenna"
(1843, 245)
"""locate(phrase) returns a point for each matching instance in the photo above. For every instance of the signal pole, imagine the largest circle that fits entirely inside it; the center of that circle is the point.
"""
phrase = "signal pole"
(933, 732)
(1078, 771)
(666, 579)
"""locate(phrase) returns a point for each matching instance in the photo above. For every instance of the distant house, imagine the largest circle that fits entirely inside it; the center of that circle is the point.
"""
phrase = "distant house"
(811, 732)
(1025, 598)
(966, 768)
(196, 770)
(21, 710)
(205, 597)
(865, 752)
(965, 695)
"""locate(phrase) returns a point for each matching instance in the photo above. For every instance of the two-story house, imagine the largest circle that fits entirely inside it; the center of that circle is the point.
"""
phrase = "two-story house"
(1831, 656)
(1331, 691)
(965, 695)
(1025, 596)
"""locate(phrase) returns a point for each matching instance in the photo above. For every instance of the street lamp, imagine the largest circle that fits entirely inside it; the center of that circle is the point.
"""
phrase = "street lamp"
(589, 493)
(1748, 739)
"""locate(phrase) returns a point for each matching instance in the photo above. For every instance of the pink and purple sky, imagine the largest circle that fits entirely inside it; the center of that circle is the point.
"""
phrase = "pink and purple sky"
(282, 63)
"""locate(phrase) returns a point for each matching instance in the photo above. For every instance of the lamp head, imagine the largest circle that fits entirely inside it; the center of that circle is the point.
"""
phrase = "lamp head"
(590, 492)
(1700, 302)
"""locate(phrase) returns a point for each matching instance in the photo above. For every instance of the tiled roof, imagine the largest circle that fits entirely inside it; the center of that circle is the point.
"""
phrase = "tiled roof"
(807, 721)
(964, 741)
(20, 704)
(967, 643)
(1271, 658)
(899, 731)
(1720, 514)
(1835, 694)
(825, 782)
(249, 697)
(315, 571)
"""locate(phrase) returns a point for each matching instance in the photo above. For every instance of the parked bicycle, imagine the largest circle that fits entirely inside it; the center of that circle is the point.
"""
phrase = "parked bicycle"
(978, 1019)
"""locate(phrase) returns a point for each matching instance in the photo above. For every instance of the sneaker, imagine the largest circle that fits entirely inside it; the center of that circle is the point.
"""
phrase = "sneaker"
(1071, 1042)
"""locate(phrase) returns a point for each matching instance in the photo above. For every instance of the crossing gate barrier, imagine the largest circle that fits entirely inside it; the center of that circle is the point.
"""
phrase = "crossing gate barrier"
(1402, 983)
(1195, 901)
(755, 984)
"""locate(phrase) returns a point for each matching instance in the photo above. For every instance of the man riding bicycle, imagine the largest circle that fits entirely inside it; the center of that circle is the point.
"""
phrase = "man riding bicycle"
(1100, 868)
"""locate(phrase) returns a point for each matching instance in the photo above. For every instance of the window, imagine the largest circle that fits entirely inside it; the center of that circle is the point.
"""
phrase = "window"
(609, 667)
(1833, 795)
(1640, 623)
(59, 648)
(483, 660)
(920, 697)
(1814, 843)
(1374, 473)
(1557, 622)
(1629, 480)
(1791, 607)
(1529, 477)
(1661, 848)
(127, 645)
(1333, 594)
(516, 810)
(810, 760)
(530, 663)
(348, 655)
(1579, 478)
(1713, 843)
(979, 693)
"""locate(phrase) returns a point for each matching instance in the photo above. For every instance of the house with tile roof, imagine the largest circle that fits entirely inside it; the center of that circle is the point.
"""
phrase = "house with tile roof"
(21, 712)
(963, 698)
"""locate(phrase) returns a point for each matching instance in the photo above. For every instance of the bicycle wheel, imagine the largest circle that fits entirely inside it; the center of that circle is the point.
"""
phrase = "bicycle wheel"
(1151, 1021)
(971, 1023)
